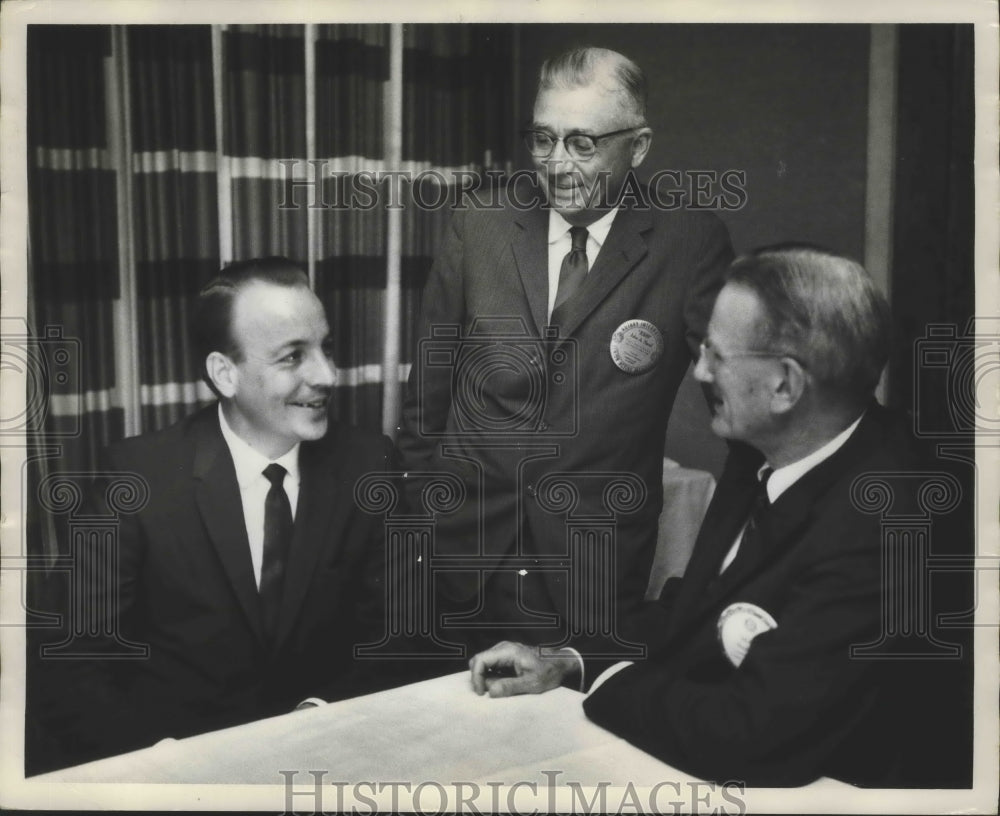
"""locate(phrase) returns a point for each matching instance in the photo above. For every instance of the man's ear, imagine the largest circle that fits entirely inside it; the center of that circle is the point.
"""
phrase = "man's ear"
(640, 145)
(789, 386)
(222, 372)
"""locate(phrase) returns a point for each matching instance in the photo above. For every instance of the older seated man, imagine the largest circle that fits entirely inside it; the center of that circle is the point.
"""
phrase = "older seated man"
(750, 673)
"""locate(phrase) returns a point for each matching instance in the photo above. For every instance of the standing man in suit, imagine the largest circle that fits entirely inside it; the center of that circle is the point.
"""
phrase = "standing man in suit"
(556, 327)
(751, 675)
(250, 574)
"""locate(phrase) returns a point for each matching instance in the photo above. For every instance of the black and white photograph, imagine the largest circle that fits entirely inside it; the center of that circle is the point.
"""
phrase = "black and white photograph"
(476, 407)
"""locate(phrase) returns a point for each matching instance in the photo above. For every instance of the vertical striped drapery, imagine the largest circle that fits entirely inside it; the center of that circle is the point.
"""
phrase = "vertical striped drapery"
(264, 122)
(135, 146)
(73, 233)
(458, 116)
(73, 286)
(352, 69)
(172, 174)
(157, 153)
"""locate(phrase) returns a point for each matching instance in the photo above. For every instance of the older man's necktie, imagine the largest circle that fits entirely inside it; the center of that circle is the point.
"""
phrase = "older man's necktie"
(278, 526)
(750, 543)
(574, 266)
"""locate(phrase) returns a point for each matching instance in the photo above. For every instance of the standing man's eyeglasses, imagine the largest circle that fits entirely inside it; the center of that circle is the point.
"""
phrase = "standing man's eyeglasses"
(579, 145)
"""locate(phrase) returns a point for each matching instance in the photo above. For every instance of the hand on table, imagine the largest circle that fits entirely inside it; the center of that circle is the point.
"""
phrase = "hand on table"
(533, 671)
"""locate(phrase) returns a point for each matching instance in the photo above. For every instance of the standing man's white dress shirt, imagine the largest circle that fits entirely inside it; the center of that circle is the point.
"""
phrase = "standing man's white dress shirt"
(560, 245)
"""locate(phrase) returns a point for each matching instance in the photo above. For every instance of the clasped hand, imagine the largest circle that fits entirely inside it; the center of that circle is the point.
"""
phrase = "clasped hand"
(534, 669)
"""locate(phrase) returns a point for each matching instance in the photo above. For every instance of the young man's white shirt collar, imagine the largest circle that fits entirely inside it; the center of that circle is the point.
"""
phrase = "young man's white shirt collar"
(254, 486)
(560, 244)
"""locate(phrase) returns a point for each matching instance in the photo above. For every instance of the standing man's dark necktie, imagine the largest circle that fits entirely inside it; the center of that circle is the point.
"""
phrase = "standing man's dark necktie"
(277, 541)
(574, 266)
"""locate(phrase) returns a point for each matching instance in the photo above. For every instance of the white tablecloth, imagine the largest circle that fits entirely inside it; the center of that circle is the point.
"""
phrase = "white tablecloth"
(434, 733)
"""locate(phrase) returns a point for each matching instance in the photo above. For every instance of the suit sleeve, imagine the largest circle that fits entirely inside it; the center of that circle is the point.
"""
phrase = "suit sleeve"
(377, 581)
(373, 571)
(646, 623)
(103, 717)
(782, 715)
(428, 394)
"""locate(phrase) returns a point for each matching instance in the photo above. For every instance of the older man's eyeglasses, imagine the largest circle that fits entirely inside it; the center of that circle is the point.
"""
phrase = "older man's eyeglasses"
(578, 145)
(715, 359)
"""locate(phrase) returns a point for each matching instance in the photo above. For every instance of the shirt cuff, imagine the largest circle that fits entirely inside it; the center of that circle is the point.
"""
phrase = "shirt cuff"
(608, 673)
(579, 660)
(310, 702)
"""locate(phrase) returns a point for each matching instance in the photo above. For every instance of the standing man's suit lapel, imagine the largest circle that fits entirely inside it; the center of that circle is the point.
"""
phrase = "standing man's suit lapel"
(623, 249)
(217, 494)
(530, 247)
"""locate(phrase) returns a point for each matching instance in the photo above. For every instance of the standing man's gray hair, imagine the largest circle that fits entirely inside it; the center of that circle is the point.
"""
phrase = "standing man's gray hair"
(602, 66)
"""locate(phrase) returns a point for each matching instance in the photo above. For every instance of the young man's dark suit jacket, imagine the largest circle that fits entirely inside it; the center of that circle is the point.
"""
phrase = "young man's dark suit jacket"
(580, 414)
(187, 590)
(799, 707)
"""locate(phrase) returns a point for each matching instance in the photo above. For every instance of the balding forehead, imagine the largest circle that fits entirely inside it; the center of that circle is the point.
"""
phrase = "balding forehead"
(612, 105)
(259, 302)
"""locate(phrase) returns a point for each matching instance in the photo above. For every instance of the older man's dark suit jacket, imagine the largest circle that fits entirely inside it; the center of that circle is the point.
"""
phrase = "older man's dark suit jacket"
(799, 706)
(187, 590)
(511, 406)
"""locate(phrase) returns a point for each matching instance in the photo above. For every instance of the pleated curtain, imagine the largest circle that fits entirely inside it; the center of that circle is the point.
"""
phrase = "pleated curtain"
(457, 117)
(457, 100)
(174, 213)
(73, 241)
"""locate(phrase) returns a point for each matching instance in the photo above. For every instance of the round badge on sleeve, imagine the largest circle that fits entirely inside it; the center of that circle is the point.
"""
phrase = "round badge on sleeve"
(738, 625)
(636, 345)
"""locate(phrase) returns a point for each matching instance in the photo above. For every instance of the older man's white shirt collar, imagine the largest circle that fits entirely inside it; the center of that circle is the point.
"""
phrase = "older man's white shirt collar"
(778, 482)
(249, 463)
(784, 477)
(598, 231)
